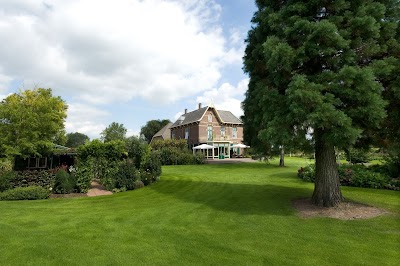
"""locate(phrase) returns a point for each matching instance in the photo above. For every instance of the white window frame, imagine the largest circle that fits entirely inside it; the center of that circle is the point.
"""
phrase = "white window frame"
(223, 131)
(234, 132)
(209, 136)
(187, 133)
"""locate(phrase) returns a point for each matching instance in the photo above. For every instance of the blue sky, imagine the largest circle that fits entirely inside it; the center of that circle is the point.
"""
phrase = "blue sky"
(126, 61)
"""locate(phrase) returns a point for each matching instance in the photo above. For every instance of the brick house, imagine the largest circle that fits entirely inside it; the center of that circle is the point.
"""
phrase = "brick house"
(207, 125)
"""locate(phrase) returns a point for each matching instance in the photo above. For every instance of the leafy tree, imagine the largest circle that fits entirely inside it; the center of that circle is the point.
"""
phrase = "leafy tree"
(152, 127)
(61, 137)
(311, 67)
(76, 139)
(30, 122)
(137, 149)
(114, 131)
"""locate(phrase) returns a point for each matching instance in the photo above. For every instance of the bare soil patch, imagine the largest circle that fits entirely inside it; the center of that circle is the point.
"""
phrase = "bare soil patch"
(345, 211)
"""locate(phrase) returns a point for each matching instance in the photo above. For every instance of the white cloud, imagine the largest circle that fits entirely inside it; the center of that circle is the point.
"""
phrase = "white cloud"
(226, 97)
(85, 119)
(108, 51)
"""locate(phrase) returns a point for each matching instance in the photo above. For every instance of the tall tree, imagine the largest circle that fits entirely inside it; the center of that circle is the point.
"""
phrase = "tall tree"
(311, 67)
(76, 139)
(152, 127)
(60, 138)
(114, 131)
(30, 122)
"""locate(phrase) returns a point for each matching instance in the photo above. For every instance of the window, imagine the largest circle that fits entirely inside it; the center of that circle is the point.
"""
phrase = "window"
(209, 133)
(172, 134)
(42, 162)
(37, 162)
(186, 133)
(234, 132)
(209, 117)
(222, 131)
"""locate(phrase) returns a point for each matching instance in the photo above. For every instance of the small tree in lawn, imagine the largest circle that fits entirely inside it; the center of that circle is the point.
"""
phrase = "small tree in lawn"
(311, 66)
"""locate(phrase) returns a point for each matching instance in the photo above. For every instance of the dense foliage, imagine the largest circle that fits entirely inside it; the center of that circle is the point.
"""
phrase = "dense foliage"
(313, 68)
(176, 152)
(42, 178)
(114, 131)
(64, 183)
(31, 122)
(357, 176)
(118, 165)
(76, 139)
(152, 127)
(25, 193)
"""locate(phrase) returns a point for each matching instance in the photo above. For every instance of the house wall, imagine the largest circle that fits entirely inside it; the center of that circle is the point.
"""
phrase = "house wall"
(179, 133)
(204, 123)
(198, 132)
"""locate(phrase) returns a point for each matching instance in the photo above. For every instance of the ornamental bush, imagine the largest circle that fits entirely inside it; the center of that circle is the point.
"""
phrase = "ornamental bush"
(356, 176)
(6, 178)
(41, 178)
(25, 193)
(176, 152)
(354, 155)
(150, 168)
(64, 183)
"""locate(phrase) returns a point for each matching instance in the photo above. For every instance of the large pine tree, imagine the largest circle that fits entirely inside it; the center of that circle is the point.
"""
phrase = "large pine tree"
(312, 68)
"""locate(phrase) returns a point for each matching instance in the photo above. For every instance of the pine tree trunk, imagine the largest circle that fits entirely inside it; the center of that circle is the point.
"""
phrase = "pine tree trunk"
(282, 158)
(327, 191)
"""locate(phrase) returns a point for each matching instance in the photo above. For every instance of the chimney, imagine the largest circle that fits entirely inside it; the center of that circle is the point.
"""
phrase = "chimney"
(199, 105)
(185, 111)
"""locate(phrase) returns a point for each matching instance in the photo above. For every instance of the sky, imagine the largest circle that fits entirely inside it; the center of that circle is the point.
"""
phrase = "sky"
(126, 61)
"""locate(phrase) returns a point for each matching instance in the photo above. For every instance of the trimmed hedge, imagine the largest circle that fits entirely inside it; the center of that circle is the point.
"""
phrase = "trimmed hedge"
(355, 176)
(25, 193)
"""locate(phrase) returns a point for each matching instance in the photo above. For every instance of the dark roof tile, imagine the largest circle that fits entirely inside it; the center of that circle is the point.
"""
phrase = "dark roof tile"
(196, 115)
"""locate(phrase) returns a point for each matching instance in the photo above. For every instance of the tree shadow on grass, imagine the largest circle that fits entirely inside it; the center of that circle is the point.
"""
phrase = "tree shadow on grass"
(247, 199)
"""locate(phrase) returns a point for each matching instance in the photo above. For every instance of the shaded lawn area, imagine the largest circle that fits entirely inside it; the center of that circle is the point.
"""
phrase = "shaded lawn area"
(231, 214)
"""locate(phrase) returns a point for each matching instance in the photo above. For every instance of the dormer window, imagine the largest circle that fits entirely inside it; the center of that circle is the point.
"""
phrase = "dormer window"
(209, 117)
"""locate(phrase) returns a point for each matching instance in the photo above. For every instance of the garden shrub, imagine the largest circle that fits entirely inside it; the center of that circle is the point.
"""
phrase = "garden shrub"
(179, 144)
(199, 158)
(6, 178)
(123, 176)
(83, 177)
(118, 167)
(137, 149)
(139, 184)
(356, 176)
(64, 183)
(307, 173)
(176, 152)
(150, 169)
(356, 155)
(41, 178)
(25, 193)
(5, 165)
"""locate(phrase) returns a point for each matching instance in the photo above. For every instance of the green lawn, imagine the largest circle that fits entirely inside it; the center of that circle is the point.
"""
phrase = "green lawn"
(200, 215)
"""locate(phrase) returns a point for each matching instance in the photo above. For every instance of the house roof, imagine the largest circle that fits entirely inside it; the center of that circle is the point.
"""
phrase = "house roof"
(226, 117)
(165, 132)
